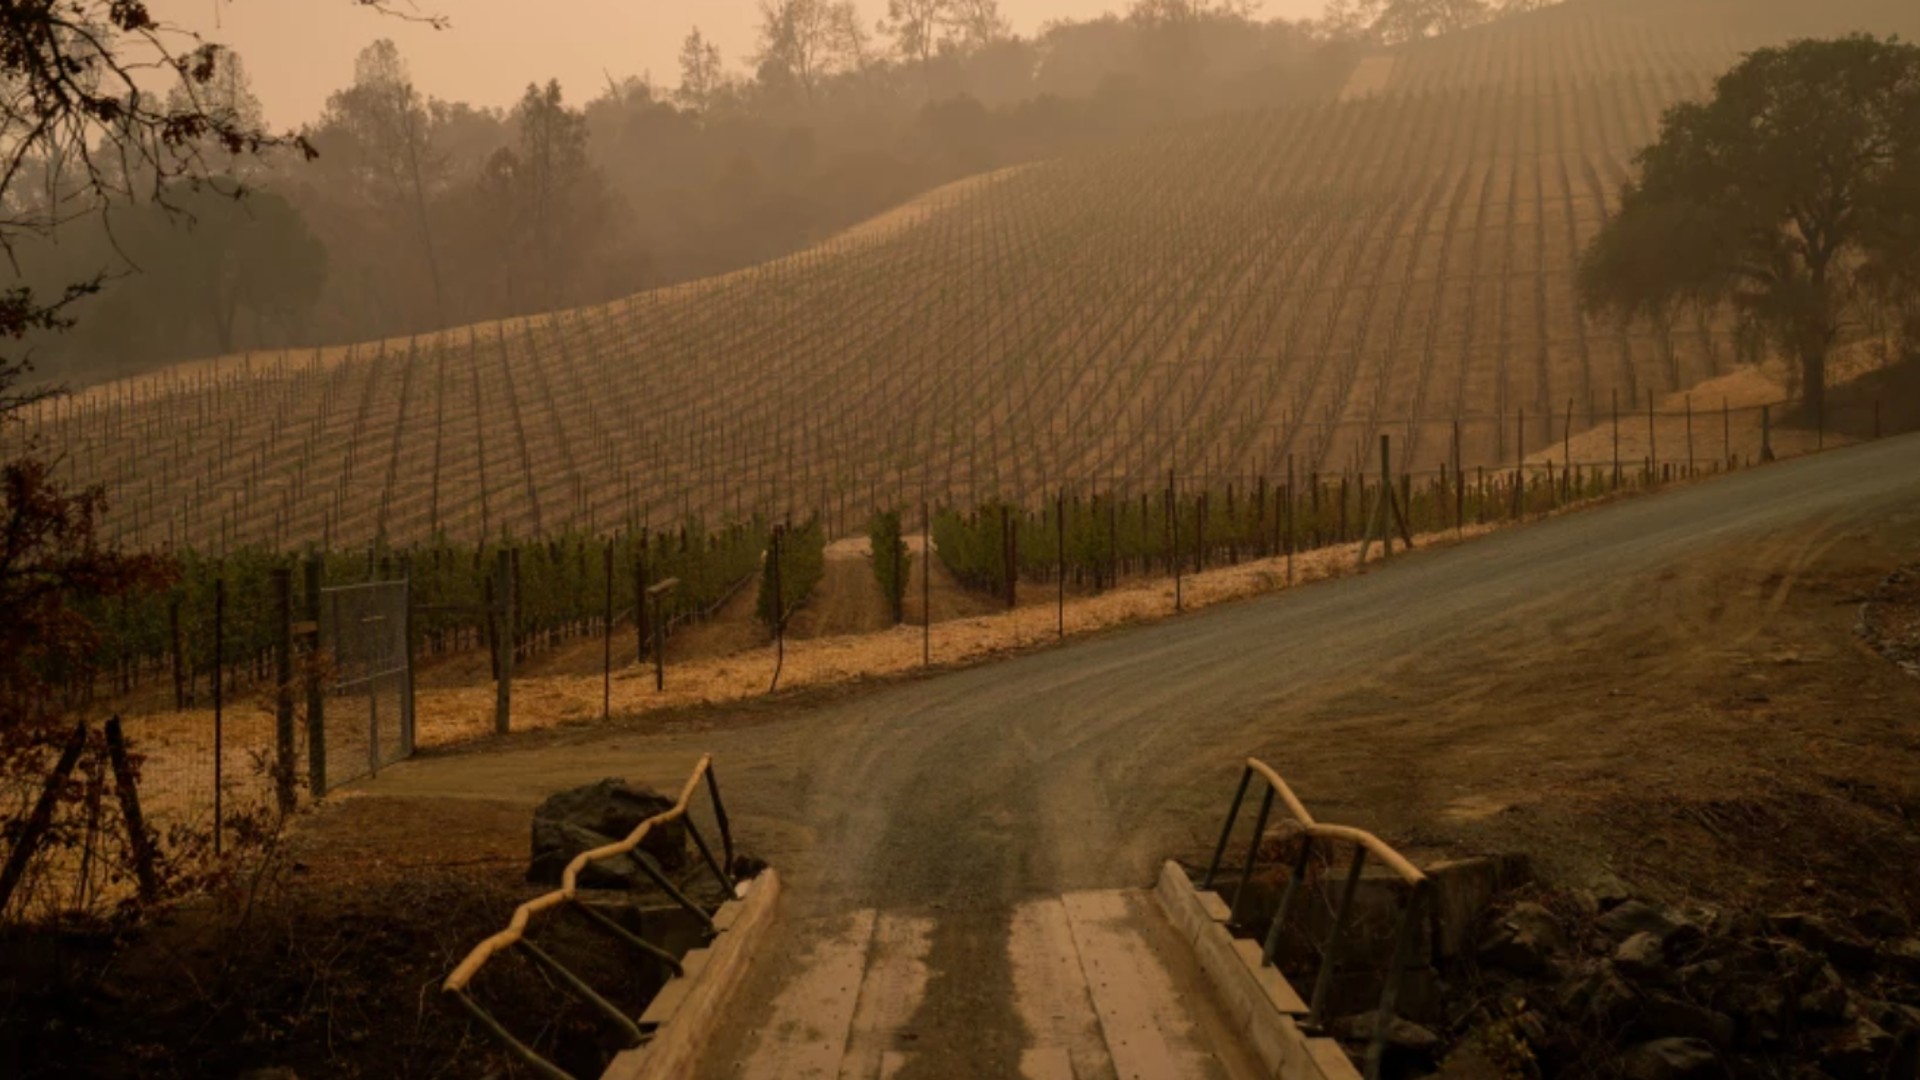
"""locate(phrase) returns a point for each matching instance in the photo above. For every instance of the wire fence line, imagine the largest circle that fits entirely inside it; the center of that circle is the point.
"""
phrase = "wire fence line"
(275, 685)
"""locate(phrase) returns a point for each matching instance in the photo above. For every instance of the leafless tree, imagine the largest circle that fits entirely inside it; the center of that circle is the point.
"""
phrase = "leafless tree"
(918, 27)
(387, 125)
(701, 75)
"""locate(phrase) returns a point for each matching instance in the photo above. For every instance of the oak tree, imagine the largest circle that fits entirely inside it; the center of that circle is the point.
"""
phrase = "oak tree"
(1787, 196)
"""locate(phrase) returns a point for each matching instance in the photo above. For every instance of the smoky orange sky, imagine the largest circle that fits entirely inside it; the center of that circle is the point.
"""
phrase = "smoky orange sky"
(298, 51)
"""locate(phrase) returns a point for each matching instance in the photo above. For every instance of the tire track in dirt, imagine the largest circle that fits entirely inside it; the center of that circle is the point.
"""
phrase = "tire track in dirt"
(1549, 689)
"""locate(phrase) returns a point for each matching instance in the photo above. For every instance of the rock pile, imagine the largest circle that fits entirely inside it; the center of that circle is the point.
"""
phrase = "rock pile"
(1622, 987)
(596, 815)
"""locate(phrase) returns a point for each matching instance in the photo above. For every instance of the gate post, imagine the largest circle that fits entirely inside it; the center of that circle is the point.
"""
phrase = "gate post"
(316, 682)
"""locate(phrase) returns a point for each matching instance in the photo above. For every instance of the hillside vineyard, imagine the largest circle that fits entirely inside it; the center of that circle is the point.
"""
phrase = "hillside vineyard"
(1223, 300)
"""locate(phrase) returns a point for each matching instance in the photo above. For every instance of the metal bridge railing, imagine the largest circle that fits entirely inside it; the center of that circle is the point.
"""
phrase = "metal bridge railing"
(515, 934)
(1364, 844)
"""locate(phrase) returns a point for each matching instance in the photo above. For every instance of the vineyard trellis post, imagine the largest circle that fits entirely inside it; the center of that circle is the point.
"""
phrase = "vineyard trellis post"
(316, 684)
(1060, 562)
(1459, 487)
(1690, 458)
(1173, 538)
(658, 594)
(779, 609)
(1289, 541)
(1653, 445)
(1386, 512)
(1616, 440)
(640, 619)
(1566, 451)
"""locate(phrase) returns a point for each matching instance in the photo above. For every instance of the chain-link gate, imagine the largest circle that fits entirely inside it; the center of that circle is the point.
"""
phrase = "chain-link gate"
(365, 718)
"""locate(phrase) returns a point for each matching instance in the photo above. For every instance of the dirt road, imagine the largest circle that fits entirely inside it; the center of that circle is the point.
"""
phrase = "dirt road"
(1667, 689)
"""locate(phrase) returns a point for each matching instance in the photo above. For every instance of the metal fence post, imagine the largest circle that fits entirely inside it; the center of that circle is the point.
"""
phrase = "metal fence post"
(640, 625)
(503, 642)
(219, 701)
(606, 640)
(316, 682)
(406, 672)
(926, 580)
(283, 695)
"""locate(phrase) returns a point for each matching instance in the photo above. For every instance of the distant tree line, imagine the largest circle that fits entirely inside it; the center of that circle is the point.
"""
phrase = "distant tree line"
(414, 213)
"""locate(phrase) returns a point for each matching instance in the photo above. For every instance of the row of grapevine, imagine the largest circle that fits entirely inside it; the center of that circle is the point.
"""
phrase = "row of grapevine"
(561, 589)
(892, 563)
(1222, 297)
(1110, 537)
(803, 561)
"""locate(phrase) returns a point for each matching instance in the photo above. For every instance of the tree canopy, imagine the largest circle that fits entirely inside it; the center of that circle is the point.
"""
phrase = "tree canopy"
(1792, 196)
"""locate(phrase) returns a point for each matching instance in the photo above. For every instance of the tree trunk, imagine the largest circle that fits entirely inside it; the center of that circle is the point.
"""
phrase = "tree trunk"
(1813, 380)
(426, 232)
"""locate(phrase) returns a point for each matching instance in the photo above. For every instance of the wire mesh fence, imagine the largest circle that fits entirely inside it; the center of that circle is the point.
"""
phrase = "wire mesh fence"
(365, 718)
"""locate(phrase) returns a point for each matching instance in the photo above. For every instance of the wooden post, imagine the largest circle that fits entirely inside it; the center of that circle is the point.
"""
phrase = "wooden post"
(1766, 433)
(1060, 563)
(1726, 434)
(1616, 440)
(1173, 541)
(1690, 457)
(1459, 488)
(41, 818)
(1200, 530)
(503, 640)
(1384, 510)
(138, 838)
(1289, 521)
(1386, 494)
(283, 687)
(1010, 536)
(1113, 539)
(1566, 450)
(1653, 443)
(658, 595)
(779, 609)
(317, 679)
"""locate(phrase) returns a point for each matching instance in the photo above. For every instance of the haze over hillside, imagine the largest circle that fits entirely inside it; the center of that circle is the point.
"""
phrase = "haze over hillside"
(1223, 298)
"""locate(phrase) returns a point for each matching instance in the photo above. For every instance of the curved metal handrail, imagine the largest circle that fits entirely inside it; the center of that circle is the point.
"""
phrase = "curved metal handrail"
(517, 926)
(1365, 844)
